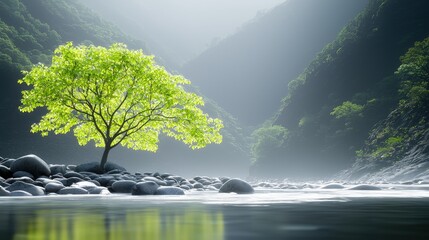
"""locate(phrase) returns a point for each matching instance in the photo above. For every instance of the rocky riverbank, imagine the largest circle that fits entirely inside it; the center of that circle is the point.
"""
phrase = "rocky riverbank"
(32, 176)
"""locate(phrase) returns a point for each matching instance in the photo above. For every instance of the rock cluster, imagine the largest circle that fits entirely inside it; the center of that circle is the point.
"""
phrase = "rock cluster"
(31, 176)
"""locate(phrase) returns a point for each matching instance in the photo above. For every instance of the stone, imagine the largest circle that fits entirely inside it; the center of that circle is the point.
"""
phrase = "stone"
(73, 174)
(95, 167)
(72, 180)
(55, 169)
(4, 192)
(8, 162)
(19, 174)
(123, 186)
(30, 188)
(99, 190)
(365, 187)
(169, 191)
(20, 179)
(32, 164)
(197, 185)
(4, 184)
(236, 185)
(53, 187)
(85, 185)
(145, 188)
(72, 190)
(333, 186)
(5, 172)
(154, 179)
(20, 193)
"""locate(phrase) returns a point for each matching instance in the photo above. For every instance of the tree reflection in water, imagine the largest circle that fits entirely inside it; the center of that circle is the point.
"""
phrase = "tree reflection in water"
(133, 224)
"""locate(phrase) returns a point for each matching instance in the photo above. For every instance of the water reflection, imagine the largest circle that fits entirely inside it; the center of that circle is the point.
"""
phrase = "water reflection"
(134, 224)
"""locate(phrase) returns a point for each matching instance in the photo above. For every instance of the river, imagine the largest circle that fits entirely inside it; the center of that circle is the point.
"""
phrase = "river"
(267, 214)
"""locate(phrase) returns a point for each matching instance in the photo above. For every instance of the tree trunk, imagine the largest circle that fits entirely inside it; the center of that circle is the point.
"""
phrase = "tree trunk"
(104, 158)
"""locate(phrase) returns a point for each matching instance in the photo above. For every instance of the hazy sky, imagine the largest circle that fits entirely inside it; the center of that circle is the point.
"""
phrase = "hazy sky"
(180, 29)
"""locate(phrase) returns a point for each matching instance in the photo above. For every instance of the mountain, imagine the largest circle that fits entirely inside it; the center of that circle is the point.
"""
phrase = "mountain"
(349, 101)
(248, 72)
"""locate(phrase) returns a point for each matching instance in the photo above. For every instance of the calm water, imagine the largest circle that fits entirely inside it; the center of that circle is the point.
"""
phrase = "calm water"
(293, 214)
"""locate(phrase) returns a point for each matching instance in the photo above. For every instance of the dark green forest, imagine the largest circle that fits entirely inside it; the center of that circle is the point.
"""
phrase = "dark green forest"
(363, 97)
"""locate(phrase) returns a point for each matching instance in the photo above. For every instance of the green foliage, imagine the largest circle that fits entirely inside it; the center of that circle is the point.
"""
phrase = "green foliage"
(115, 96)
(347, 110)
(268, 141)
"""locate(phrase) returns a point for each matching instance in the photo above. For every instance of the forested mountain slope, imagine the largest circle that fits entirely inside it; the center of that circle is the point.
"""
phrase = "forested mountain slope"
(248, 73)
(334, 105)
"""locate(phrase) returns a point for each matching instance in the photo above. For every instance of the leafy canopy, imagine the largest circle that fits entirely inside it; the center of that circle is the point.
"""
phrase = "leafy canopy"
(115, 96)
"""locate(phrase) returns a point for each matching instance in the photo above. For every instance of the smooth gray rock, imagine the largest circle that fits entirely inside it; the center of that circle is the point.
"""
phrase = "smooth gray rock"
(20, 179)
(72, 190)
(4, 192)
(30, 188)
(71, 180)
(55, 169)
(197, 185)
(145, 188)
(4, 184)
(5, 172)
(99, 190)
(236, 185)
(123, 186)
(19, 193)
(154, 179)
(32, 164)
(73, 174)
(85, 185)
(19, 174)
(169, 191)
(8, 162)
(365, 187)
(53, 187)
(333, 186)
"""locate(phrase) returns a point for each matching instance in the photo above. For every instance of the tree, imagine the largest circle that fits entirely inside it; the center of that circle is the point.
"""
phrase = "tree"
(115, 96)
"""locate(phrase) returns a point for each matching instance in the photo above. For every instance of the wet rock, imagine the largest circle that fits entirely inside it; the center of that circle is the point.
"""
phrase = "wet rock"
(197, 185)
(123, 186)
(70, 181)
(169, 191)
(217, 185)
(55, 169)
(30, 188)
(32, 164)
(20, 179)
(332, 186)
(145, 188)
(72, 190)
(71, 168)
(4, 184)
(5, 172)
(20, 193)
(8, 162)
(73, 174)
(154, 179)
(19, 174)
(85, 185)
(53, 187)
(99, 190)
(365, 187)
(4, 192)
(236, 185)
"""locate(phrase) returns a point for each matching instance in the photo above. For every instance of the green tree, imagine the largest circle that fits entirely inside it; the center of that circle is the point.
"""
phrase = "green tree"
(115, 96)
(268, 140)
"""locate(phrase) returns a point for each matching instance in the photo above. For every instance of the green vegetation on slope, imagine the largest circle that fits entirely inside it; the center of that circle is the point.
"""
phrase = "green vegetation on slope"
(349, 87)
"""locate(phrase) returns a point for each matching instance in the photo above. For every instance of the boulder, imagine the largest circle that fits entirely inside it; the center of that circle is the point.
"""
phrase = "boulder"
(169, 191)
(3, 192)
(154, 179)
(94, 167)
(145, 188)
(8, 162)
(123, 186)
(5, 172)
(53, 187)
(99, 190)
(30, 188)
(85, 185)
(20, 193)
(20, 179)
(19, 174)
(32, 164)
(236, 185)
(333, 186)
(55, 169)
(72, 190)
(73, 174)
(365, 187)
